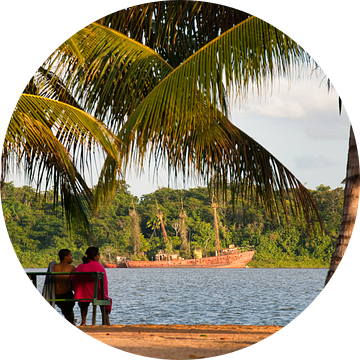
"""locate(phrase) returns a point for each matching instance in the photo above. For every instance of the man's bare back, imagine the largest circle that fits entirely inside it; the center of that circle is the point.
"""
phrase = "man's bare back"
(63, 282)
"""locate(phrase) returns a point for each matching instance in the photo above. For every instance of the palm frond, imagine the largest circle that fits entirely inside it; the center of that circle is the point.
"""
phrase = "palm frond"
(67, 58)
(54, 88)
(192, 132)
(167, 92)
(45, 135)
(107, 182)
(174, 29)
(115, 76)
(244, 58)
(99, 77)
(221, 154)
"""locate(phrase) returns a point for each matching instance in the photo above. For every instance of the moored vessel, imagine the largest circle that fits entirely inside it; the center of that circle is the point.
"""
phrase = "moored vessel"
(231, 260)
(228, 258)
(231, 257)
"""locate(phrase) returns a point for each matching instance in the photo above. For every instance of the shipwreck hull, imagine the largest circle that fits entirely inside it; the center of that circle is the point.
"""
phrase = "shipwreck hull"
(237, 260)
(110, 266)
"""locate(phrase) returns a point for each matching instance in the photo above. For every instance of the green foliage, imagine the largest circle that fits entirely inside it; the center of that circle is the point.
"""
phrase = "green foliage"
(155, 80)
(127, 226)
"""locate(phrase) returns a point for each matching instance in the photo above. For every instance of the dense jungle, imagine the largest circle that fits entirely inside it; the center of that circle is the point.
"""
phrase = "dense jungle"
(130, 226)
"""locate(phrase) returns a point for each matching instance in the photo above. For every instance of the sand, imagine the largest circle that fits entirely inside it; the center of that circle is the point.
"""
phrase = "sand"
(180, 341)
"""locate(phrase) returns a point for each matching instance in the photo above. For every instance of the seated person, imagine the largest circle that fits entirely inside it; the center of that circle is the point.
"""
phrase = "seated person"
(84, 285)
(63, 284)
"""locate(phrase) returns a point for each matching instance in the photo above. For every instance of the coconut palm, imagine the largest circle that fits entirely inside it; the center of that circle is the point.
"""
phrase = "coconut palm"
(351, 200)
(162, 77)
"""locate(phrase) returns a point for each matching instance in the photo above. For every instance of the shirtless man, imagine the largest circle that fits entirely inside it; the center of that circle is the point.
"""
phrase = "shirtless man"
(63, 284)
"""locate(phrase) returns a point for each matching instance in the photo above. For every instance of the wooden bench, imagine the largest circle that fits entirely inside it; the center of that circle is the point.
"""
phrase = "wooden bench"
(97, 276)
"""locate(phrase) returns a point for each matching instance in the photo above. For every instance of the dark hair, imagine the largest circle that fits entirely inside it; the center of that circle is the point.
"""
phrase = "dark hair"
(90, 254)
(63, 253)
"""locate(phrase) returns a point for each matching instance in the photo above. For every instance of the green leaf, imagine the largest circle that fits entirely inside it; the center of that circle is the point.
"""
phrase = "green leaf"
(183, 119)
(46, 135)
(117, 73)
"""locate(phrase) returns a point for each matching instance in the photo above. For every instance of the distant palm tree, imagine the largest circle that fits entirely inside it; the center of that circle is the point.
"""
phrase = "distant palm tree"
(161, 77)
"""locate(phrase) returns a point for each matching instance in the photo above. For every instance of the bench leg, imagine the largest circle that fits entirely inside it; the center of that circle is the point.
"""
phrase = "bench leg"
(94, 315)
(103, 315)
(96, 289)
(103, 311)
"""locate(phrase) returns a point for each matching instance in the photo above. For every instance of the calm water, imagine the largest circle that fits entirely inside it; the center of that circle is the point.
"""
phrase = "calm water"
(208, 296)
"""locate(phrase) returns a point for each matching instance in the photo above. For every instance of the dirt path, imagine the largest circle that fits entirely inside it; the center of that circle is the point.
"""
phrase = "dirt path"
(180, 341)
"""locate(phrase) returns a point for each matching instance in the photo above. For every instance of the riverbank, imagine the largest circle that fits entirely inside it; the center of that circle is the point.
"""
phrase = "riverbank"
(257, 264)
(180, 341)
(288, 264)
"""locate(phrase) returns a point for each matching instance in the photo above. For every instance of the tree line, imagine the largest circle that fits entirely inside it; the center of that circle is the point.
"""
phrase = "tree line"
(131, 227)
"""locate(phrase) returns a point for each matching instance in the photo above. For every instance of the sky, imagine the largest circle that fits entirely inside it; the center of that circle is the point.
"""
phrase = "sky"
(299, 124)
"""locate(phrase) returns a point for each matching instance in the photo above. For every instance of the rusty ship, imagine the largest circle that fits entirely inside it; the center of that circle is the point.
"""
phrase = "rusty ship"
(228, 258)
(231, 257)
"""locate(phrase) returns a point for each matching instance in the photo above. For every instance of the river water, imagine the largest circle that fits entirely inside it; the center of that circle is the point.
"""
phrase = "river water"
(208, 296)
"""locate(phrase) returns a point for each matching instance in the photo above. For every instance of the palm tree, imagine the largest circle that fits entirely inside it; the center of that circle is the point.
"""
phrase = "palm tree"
(351, 201)
(161, 77)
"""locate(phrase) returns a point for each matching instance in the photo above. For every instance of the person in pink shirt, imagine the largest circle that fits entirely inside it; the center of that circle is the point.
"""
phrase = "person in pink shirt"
(84, 285)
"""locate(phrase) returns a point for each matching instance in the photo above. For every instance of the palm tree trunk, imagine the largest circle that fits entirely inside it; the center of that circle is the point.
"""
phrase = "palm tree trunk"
(214, 206)
(351, 200)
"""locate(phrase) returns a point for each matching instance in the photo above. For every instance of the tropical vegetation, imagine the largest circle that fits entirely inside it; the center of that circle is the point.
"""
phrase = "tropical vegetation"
(129, 227)
(156, 81)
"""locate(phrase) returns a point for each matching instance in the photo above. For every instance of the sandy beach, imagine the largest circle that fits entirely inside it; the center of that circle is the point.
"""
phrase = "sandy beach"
(180, 341)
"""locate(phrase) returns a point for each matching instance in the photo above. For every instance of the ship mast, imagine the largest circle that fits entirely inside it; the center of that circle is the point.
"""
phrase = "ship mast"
(135, 227)
(132, 211)
(160, 215)
(182, 215)
(185, 246)
(214, 205)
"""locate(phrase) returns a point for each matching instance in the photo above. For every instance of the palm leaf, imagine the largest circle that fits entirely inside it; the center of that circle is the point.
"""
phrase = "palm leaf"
(179, 115)
(46, 84)
(67, 58)
(221, 154)
(46, 135)
(242, 59)
(192, 134)
(115, 75)
(174, 29)
(100, 77)
(236, 60)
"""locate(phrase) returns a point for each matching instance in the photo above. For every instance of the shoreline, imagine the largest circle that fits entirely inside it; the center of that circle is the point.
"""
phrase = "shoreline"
(248, 267)
(180, 341)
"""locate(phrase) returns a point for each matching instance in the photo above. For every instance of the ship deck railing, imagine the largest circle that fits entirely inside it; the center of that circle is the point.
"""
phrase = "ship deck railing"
(239, 249)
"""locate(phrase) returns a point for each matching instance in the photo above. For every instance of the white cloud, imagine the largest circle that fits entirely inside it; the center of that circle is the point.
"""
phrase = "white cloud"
(298, 101)
(276, 107)
(311, 162)
(314, 131)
